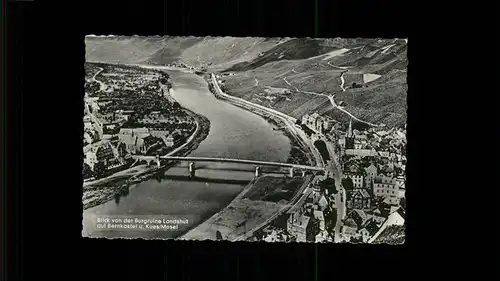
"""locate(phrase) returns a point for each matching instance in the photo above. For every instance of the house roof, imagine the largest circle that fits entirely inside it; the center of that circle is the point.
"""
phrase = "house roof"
(361, 191)
(350, 222)
(364, 193)
(371, 226)
(301, 221)
(392, 233)
(371, 167)
(319, 215)
(315, 115)
(359, 217)
(323, 202)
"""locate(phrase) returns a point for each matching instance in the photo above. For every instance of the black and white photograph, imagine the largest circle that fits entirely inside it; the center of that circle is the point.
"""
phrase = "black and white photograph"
(245, 139)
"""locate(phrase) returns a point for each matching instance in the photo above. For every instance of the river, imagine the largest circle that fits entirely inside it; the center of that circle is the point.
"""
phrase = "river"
(234, 133)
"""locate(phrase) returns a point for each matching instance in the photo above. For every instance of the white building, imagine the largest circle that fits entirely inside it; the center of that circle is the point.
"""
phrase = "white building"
(317, 122)
(169, 141)
(386, 187)
(357, 178)
(360, 152)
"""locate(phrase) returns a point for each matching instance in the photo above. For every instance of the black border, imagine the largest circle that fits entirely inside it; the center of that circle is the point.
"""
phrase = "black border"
(15, 32)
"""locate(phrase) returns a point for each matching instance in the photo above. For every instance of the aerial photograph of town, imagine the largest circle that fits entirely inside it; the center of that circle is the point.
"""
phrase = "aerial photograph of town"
(245, 139)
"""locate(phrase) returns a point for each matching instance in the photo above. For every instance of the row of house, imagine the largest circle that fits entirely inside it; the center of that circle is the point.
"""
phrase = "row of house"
(356, 143)
(104, 152)
(388, 188)
(309, 220)
(368, 226)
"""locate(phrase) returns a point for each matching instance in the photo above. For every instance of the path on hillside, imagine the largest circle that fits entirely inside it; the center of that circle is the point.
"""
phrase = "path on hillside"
(102, 86)
(342, 81)
(330, 97)
(348, 113)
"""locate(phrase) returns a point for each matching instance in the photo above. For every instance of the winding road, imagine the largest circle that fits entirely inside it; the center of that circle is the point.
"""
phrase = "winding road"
(102, 86)
(330, 97)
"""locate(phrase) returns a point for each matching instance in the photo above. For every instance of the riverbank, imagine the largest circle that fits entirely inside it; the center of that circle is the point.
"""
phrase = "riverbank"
(298, 154)
(256, 204)
(103, 190)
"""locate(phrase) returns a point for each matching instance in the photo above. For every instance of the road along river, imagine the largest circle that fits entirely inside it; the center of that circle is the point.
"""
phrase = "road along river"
(234, 133)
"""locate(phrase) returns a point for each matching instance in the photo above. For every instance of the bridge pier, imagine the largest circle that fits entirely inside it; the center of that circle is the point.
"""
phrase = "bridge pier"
(290, 173)
(158, 161)
(191, 169)
(257, 171)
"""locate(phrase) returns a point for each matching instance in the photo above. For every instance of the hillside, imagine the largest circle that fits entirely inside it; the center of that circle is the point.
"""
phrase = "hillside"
(378, 67)
(214, 52)
(292, 75)
(294, 49)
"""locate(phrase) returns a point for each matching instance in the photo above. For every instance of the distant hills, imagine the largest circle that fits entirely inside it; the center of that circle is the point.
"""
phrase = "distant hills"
(261, 65)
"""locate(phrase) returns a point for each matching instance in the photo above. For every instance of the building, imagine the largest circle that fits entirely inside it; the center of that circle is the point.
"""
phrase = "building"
(354, 223)
(90, 159)
(359, 216)
(371, 173)
(123, 114)
(317, 122)
(104, 153)
(377, 216)
(359, 199)
(121, 149)
(384, 154)
(319, 216)
(359, 151)
(159, 133)
(400, 184)
(134, 139)
(87, 137)
(148, 143)
(87, 122)
(303, 227)
(328, 124)
(385, 187)
(356, 177)
(169, 141)
(369, 230)
(349, 228)
(395, 219)
(349, 138)
(150, 120)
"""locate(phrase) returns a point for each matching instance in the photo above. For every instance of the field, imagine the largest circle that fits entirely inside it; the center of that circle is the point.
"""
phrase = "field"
(274, 189)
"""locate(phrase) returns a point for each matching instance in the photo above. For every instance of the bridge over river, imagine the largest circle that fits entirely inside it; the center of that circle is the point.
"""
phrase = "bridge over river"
(192, 160)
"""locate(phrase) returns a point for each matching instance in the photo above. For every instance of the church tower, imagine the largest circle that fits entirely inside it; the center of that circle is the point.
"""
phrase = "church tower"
(349, 139)
(349, 131)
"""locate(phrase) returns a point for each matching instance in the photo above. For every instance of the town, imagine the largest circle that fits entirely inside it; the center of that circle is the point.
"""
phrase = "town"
(373, 166)
(128, 111)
